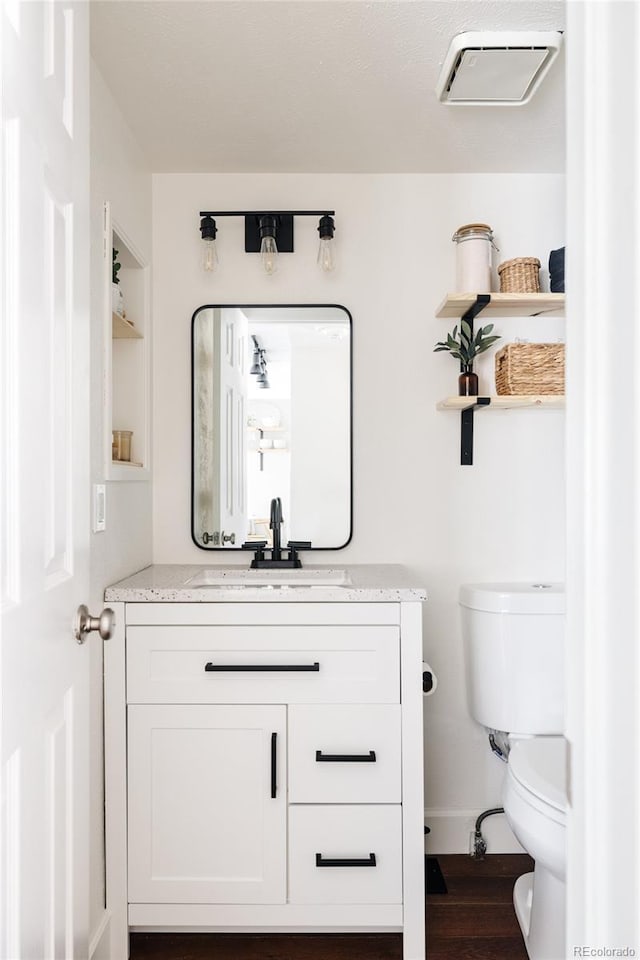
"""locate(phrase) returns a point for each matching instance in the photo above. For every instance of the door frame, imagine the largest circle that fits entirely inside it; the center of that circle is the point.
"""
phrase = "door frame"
(603, 494)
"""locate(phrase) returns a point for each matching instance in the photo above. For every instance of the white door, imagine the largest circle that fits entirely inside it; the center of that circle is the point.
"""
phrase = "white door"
(44, 471)
(233, 431)
(207, 803)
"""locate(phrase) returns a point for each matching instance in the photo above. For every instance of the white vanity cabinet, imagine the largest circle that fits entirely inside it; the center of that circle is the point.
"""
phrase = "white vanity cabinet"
(207, 812)
(264, 767)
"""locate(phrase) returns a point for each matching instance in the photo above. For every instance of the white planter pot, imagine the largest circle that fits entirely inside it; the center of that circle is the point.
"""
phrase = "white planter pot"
(117, 300)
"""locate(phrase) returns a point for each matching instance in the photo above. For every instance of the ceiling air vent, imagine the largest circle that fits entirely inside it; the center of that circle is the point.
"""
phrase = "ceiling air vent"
(499, 69)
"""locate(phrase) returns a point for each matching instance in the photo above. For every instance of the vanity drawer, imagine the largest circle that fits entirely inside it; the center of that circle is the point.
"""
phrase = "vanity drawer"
(345, 854)
(270, 664)
(344, 754)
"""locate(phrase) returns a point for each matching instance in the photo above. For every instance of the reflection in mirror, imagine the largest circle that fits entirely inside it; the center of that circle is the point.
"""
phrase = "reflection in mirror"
(271, 417)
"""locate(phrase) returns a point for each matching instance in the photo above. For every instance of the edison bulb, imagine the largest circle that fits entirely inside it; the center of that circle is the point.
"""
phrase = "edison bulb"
(326, 254)
(269, 254)
(209, 255)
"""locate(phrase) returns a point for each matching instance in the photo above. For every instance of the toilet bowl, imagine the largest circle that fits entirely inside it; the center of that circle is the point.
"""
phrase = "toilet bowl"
(534, 800)
(514, 654)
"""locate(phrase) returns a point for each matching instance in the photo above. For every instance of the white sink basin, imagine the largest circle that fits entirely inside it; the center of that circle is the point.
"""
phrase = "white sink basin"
(304, 577)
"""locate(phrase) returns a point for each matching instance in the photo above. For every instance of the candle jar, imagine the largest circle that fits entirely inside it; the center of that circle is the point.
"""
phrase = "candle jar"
(121, 446)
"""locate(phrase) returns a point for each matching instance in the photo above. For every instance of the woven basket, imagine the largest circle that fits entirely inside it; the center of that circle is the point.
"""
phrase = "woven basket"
(521, 275)
(530, 368)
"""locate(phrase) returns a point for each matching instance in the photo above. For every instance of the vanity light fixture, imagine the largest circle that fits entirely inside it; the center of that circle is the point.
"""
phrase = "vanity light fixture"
(208, 230)
(259, 364)
(269, 233)
(262, 380)
(255, 363)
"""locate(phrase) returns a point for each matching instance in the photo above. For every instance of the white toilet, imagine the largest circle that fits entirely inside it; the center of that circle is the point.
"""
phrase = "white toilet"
(514, 653)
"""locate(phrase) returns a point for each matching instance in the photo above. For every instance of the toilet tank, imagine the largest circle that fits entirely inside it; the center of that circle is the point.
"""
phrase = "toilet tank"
(513, 636)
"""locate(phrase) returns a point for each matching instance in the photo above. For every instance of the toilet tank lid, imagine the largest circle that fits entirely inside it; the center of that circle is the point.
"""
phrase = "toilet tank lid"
(534, 597)
(540, 765)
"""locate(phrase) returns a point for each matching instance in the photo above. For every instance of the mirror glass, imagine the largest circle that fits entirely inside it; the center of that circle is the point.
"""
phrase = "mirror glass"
(271, 417)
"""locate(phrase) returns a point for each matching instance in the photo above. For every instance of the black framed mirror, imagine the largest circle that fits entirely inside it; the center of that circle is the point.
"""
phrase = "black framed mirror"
(271, 416)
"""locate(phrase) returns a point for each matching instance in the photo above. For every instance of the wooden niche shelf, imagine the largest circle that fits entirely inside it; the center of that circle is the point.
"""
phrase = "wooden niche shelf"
(122, 329)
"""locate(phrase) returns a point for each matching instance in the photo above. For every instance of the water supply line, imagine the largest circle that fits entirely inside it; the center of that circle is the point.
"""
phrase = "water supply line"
(478, 843)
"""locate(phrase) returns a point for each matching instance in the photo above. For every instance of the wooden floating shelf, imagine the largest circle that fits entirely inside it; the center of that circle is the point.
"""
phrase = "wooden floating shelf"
(121, 329)
(455, 305)
(550, 402)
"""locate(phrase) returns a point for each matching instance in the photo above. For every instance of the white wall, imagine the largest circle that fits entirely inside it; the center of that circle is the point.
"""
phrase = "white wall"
(119, 174)
(501, 519)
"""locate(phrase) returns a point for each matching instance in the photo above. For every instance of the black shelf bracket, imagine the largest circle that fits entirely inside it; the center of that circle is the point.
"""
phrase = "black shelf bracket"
(466, 417)
(466, 430)
(482, 300)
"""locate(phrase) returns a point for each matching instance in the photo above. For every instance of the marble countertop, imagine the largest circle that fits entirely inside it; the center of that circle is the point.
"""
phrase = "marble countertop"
(365, 583)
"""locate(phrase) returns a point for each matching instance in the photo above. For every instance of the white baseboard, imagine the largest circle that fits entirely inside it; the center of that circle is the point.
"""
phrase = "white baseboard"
(451, 831)
(99, 943)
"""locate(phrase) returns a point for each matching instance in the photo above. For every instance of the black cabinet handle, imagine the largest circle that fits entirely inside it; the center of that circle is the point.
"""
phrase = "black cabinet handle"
(369, 861)
(274, 763)
(261, 667)
(345, 757)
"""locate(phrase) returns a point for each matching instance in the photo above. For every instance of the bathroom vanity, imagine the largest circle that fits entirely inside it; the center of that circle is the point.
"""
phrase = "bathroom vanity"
(263, 745)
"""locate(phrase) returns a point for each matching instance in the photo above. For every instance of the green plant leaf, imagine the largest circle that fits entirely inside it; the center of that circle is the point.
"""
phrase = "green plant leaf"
(486, 344)
(115, 266)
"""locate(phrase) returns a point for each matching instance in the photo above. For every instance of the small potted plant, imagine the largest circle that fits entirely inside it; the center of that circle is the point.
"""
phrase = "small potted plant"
(117, 300)
(465, 347)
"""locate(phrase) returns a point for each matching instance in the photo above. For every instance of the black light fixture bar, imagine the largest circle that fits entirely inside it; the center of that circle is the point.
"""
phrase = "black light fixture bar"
(252, 222)
(267, 213)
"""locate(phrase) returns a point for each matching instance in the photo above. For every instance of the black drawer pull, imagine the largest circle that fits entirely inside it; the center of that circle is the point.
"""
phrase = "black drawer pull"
(369, 861)
(345, 757)
(274, 785)
(261, 667)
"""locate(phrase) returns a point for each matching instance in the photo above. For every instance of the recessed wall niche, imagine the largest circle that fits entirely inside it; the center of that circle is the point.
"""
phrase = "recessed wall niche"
(127, 336)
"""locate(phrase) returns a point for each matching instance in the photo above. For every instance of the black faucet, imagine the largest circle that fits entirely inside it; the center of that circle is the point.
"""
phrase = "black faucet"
(275, 524)
(276, 561)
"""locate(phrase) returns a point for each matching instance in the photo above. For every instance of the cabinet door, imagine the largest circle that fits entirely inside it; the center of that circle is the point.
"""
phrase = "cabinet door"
(207, 804)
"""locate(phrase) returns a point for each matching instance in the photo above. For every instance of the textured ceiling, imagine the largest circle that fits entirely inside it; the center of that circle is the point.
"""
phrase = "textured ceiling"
(319, 85)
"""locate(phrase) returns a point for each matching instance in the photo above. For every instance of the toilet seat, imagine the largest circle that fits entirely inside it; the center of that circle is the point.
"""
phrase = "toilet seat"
(537, 767)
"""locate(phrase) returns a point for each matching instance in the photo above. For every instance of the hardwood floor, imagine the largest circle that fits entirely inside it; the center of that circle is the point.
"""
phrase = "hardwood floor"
(473, 921)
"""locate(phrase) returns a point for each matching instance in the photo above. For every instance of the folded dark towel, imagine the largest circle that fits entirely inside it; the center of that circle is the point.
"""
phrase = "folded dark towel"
(556, 270)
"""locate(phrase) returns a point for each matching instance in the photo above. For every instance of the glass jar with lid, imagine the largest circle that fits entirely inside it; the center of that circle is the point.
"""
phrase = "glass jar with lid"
(121, 445)
(473, 257)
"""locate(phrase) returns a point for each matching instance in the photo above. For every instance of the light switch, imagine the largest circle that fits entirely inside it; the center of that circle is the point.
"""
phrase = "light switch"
(99, 507)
